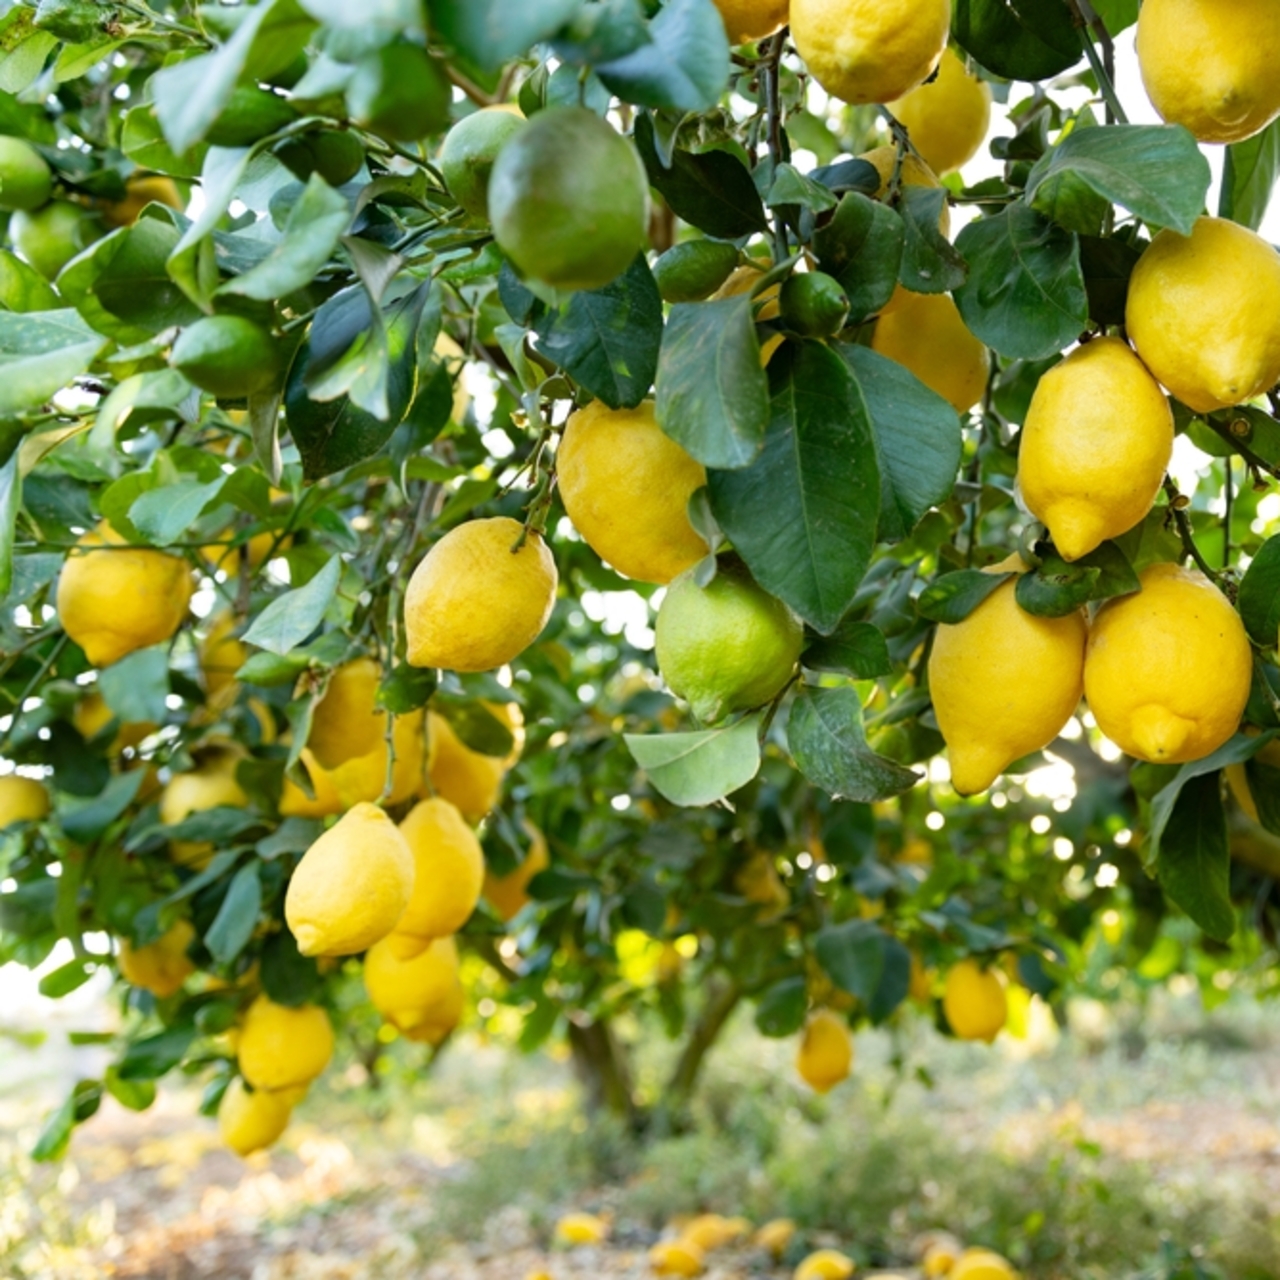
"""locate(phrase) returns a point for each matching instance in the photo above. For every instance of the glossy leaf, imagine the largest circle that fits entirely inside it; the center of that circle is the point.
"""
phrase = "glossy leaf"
(290, 618)
(10, 502)
(1249, 177)
(237, 917)
(1259, 598)
(40, 353)
(954, 596)
(699, 768)
(861, 247)
(488, 32)
(684, 66)
(1195, 861)
(930, 263)
(852, 956)
(782, 1008)
(1018, 39)
(856, 649)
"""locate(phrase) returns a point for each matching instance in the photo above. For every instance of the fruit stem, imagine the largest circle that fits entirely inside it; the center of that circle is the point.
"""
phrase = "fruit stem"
(773, 108)
(1183, 525)
(159, 20)
(1103, 67)
(1229, 494)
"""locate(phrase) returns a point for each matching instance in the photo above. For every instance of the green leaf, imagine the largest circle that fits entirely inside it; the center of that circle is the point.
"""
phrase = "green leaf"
(137, 1095)
(22, 287)
(87, 820)
(1195, 858)
(954, 596)
(1055, 588)
(23, 54)
(856, 649)
(918, 439)
(826, 738)
(602, 32)
(608, 339)
(406, 689)
(237, 918)
(1025, 295)
(1118, 15)
(699, 768)
(66, 978)
(162, 515)
(1107, 265)
(712, 394)
(289, 619)
(155, 1055)
(862, 247)
(143, 141)
(930, 262)
(134, 283)
(288, 977)
(55, 1137)
(791, 187)
(10, 503)
(490, 32)
(1259, 598)
(136, 688)
(685, 66)
(476, 726)
(40, 353)
(1157, 172)
(391, 17)
(895, 981)
(782, 1008)
(803, 515)
(1018, 39)
(852, 955)
(1249, 177)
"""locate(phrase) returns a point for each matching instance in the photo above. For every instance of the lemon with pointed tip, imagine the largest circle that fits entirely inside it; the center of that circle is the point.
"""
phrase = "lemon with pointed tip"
(281, 1047)
(1204, 313)
(508, 894)
(1168, 670)
(252, 1120)
(825, 1055)
(162, 966)
(351, 886)
(1004, 683)
(748, 20)
(1095, 446)
(825, 1264)
(626, 486)
(925, 334)
(681, 1257)
(347, 722)
(114, 599)
(422, 991)
(974, 1001)
(864, 51)
(22, 800)
(981, 1264)
(947, 119)
(481, 596)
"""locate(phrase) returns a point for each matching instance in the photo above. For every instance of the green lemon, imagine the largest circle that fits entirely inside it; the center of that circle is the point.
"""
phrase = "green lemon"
(694, 270)
(470, 148)
(51, 236)
(250, 114)
(813, 305)
(228, 356)
(569, 200)
(26, 181)
(400, 92)
(727, 647)
(335, 156)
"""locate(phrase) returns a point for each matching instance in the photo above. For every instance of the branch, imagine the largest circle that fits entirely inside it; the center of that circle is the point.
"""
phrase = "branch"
(773, 108)
(1178, 508)
(723, 995)
(1103, 67)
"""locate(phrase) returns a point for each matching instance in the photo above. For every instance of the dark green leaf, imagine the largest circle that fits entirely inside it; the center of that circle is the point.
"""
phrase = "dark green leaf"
(155, 1055)
(930, 263)
(685, 66)
(406, 689)
(699, 768)
(852, 956)
(782, 1008)
(791, 187)
(895, 981)
(1055, 588)
(476, 726)
(10, 503)
(603, 31)
(162, 515)
(855, 649)
(55, 1137)
(1195, 860)
(1259, 598)
(1249, 177)
(136, 688)
(288, 977)
(1107, 265)
(237, 918)
(954, 596)
(489, 32)
(88, 820)
(135, 285)
(862, 248)
(1018, 39)
(289, 619)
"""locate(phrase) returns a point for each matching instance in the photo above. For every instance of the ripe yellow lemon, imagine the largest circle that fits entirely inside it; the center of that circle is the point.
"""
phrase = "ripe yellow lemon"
(140, 192)
(726, 647)
(711, 1231)
(251, 1121)
(825, 1264)
(162, 966)
(92, 715)
(222, 654)
(1095, 447)
(681, 1257)
(974, 1001)
(112, 602)
(508, 895)
(581, 1228)
(1238, 779)
(746, 20)
(947, 118)
(468, 779)
(825, 1056)
(448, 875)
(365, 777)
(775, 1236)
(914, 174)
(626, 487)
(870, 50)
(1204, 313)
(421, 996)
(347, 722)
(280, 1047)
(21, 800)
(1212, 66)
(1168, 670)
(1004, 683)
(941, 1254)
(925, 334)
(476, 601)
(981, 1264)
(325, 801)
(351, 886)
(212, 786)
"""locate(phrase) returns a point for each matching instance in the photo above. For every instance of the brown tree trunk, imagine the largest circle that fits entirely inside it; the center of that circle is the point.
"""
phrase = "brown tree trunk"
(600, 1062)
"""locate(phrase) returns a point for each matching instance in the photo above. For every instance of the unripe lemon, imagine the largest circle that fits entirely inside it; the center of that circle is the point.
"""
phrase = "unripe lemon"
(365, 777)
(775, 1236)
(448, 874)
(421, 992)
(228, 356)
(947, 118)
(140, 192)
(280, 1047)
(469, 151)
(693, 270)
(251, 1121)
(825, 1056)
(1095, 447)
(870, 50)
(981, 1264)
(162, 966)
(1168, 670)
(508, 895)
(325, 801)
(250, 114)
(747, 20)
(677, 1258)
(49, 237)
(468, 779)
(212, 786)
(813, 304)
(1211, 64)
(581, 1228)
(222, 654)
(1004, 683)
(1204, 313)
(112, 602)
(569, 200)
(347, 722)
(924, 333)
(337, 156)
(825, 1264)
(974, 1001)
(726, 647)
(351, 886)
(626, 486)
(476, 602)
(26, 181)
(21, 800)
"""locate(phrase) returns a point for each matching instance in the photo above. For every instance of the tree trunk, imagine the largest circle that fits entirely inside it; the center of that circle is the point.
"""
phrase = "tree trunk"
(723, 995)
(600, 1061)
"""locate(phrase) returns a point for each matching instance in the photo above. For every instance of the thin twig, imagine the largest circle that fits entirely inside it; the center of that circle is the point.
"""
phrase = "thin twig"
(1103, 66)
(773, 109)
(1183, 525)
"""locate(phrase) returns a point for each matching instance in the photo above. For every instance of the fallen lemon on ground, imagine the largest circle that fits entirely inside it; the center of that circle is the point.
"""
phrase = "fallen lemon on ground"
(581, 1228)
(981, 1264)
(825, 1264)
(775, 1236)
(681, 1257)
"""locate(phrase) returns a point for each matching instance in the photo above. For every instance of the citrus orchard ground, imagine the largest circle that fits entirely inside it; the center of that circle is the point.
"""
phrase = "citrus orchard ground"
(552, 516)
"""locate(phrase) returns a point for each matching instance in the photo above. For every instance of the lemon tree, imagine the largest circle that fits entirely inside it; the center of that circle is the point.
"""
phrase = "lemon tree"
(555, 517)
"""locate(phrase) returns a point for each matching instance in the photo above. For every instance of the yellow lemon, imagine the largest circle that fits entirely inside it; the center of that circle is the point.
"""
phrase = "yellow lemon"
(1204, 313)
(1238, 779)
(626, 486)
(251, 1121)
(448, 874)
(825, 1264)
(1168, 670)
(775, 1236)
(746, 20)
(581, 1228)
(212, 786)
(742, 280)
(423, 991)
(710, 1231)
(825, 1056)
(351, 886)
(113, 602)
(920, 984)
(974, 1001)
(468, 779)
(925, 334)
(140, 192)
(476, 602)
(982, 1264)
(1211, 66)
(1095, 447)
(940, 1256)
(347, 722)
(870, 50)
(1004, 683)
(324, 803)
(92, 715)
(222, 654)
(758, 881)
(948, 117)
(22, 800)
(677, 1258)
(280, 1047)
(508, 895)
(365, 777)
(914, 174)
(162, 966)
